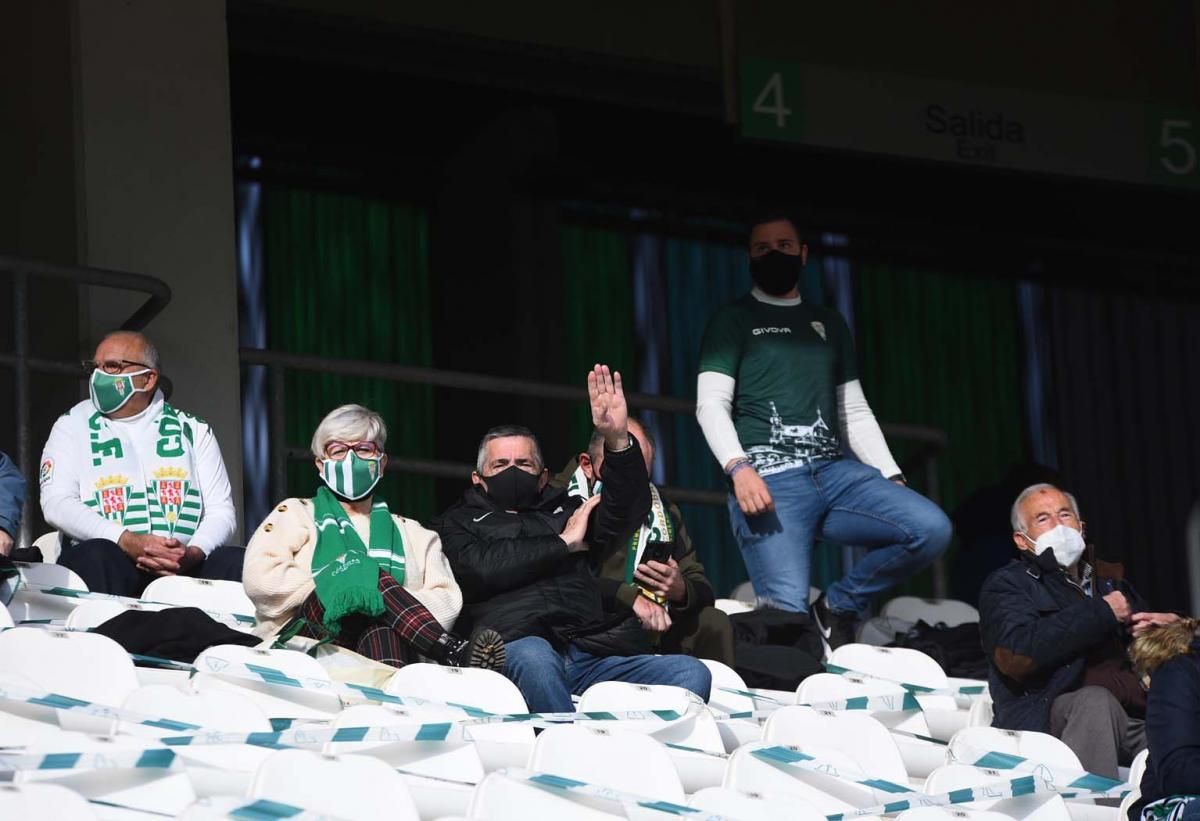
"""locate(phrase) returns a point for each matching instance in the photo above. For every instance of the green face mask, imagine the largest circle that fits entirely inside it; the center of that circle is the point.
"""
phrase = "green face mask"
(352, 478)
(110, 392)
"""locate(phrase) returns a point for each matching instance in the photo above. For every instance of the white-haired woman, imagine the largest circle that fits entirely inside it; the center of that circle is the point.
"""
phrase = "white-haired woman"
(340, 566)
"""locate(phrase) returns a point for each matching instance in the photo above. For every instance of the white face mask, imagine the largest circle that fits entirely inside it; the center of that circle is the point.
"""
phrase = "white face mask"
(1067, 542)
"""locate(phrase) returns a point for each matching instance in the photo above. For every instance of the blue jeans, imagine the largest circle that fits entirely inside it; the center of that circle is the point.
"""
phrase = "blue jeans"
(841, 501)
(547, 678)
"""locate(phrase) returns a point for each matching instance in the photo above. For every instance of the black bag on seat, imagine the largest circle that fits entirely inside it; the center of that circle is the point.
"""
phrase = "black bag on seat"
(775, 649)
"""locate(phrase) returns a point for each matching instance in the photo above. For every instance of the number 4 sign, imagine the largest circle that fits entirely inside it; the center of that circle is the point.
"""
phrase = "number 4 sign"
(771, 101)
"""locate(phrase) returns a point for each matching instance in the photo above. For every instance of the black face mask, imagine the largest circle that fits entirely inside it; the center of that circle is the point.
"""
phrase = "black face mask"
(775, 272)
(514, 489)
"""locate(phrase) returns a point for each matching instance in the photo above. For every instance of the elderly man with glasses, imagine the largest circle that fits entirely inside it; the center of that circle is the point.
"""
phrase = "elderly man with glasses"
(136, 488)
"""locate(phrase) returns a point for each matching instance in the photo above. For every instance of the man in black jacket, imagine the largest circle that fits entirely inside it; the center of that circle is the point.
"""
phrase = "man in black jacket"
(521, 552)
(666, 569)
(1053, 626)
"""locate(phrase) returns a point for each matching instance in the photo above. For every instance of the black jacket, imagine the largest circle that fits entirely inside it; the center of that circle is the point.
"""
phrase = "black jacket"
(1040, 631)
(517, 576)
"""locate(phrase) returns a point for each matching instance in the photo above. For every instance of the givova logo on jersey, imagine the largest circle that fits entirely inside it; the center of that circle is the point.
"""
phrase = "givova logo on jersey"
(771, 330)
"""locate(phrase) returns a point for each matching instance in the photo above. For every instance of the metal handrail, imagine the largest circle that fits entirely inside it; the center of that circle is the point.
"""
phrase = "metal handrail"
(440, 469)
(158, 295)
(463, 380)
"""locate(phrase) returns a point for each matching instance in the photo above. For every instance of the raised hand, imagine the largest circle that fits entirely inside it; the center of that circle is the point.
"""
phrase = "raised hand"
(610, 414)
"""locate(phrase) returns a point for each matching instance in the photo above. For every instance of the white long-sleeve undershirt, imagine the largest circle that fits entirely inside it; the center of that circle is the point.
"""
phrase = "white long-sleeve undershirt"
(857, 423)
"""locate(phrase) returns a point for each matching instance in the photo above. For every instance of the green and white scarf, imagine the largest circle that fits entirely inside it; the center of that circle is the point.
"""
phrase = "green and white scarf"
(148, 486)
(656, 528)
(346, 572)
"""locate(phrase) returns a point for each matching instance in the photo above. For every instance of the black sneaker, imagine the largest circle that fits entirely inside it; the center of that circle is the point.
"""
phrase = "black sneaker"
(836, 628)
(485, 650)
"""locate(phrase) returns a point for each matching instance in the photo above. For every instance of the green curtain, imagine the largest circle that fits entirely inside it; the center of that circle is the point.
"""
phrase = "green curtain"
(943, 350)
(700, 278)
(599, 311)
(348, 277)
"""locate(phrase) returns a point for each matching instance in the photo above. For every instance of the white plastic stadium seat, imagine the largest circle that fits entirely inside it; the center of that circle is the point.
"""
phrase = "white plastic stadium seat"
(91, 614)
(276, 701)
(501, 798)
(969, 744)
(50, 544)
(732, 606)
(85, 666)
(499, 745)
(40, 574)
(433, 771)
(736, 804)
(699, 732)
(744, 592)
(1024, 808)
(856, 734)
(950, 612)
(982, 712)
(623, 761)
(29, 604)
(207, 594)
(1136, 770)
(899, 664)
(746, 773)
(734, 732)
(920, 757)
(351, 786)
(43, 801)
(5, 617)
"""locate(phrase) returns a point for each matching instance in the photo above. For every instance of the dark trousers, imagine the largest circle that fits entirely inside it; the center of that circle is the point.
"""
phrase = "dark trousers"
(405, 630)
(106, 568)
(707, 635)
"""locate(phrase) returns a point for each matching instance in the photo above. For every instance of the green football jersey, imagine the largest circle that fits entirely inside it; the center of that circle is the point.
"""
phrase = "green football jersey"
(787, 361)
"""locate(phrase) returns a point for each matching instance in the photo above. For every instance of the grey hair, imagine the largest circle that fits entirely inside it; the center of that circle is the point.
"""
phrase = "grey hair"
(149, 349)
(1014, 518)
(501, 432)
(349, 423)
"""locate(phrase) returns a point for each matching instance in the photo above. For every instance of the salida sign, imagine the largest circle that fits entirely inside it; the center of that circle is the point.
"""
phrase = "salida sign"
(977, 135)
(928, 119)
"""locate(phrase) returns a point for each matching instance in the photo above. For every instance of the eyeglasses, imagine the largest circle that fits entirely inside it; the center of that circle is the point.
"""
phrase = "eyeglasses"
(365, 450)
(110, 366)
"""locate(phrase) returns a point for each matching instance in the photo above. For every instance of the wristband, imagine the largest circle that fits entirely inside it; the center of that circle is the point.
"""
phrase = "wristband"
(628, 445)
(652, 596)
(745, 463)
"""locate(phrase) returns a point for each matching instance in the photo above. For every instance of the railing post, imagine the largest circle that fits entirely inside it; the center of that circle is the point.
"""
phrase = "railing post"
(24, 445)
(277, 432)
(941, 585)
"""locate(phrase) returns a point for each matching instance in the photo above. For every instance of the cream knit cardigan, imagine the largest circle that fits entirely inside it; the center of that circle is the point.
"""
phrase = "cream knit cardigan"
(277, 573)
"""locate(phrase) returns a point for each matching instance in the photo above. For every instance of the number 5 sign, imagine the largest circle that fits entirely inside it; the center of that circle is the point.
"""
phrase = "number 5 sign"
(1174, 142)
(771, 103)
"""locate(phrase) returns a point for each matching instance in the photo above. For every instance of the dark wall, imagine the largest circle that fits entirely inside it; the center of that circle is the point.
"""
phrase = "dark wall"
(501, 141)
(37, 202)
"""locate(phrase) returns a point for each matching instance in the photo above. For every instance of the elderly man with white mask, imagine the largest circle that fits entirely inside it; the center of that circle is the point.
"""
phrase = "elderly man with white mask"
(1054, 623)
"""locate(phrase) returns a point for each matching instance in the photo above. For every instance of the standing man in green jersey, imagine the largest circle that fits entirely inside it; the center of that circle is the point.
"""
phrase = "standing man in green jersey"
(777, 397)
